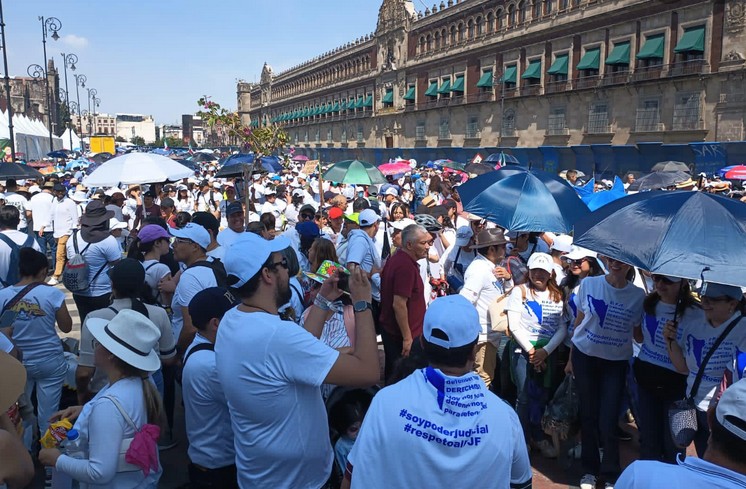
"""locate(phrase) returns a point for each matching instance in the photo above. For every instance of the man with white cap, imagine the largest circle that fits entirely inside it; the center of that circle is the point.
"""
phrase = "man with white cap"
(441, 425)
(272, 371)
(362, 250)
(724, 462)
(274, 206)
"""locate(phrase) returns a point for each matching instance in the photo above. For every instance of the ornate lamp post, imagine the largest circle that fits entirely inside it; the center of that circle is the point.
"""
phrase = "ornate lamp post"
(7, 86)
(80, 83)
(92, 92)
(53, 25)
(69, 60)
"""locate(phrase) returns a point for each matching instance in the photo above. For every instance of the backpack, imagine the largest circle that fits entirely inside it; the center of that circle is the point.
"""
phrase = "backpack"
(75, 273)
(218, 269)
(14, 273)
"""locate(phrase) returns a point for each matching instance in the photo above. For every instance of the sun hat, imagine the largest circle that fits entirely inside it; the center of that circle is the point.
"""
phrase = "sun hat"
(731, 405)
(12, 382)
(242, 266)
(307, 208)
(490, 237)
(298, 192)
(152, 232)
(368, 217)
(451, 322)
(80, 196)
(563, 243)
(233, 208)
(578, 253)
(95, 213)
(710, 289)
(210, 303)
(115, 223)
(464, 235)
(193, 232)
(130, 336)
(541, 261)
(48, 184)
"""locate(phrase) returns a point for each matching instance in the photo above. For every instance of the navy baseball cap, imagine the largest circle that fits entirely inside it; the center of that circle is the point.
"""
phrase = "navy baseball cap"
(210, 303)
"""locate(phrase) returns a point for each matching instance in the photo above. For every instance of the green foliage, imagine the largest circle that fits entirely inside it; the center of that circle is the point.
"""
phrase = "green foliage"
(137, 141)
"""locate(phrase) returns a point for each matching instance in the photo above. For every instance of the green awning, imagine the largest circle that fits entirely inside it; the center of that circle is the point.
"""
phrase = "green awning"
(533, 72)
(509, 75)
(368, 101)
(486, 80)
(653, 48)
(619, 55)
(458, 85)
(432, 90)
(389, 97)
(304, 112)
(591, 60)
(335, 107)
(351, 104)
(410, 93)
(445, 87)
(693, 41)
(559, 67)
(316, 110)
(359, 103)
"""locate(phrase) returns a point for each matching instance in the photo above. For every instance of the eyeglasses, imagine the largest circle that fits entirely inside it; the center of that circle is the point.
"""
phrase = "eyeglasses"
(576, 263)
(282, 263)
(183, 241)
(661, 278)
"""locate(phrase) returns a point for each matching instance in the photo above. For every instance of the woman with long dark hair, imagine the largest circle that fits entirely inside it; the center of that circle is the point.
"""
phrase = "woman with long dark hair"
(582, 263)
(152, 243)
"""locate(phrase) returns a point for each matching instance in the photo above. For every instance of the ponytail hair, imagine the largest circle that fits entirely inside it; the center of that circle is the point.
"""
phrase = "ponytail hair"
(151, 397)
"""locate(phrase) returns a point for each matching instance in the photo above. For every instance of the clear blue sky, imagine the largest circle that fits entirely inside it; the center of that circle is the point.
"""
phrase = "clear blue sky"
(159, 56)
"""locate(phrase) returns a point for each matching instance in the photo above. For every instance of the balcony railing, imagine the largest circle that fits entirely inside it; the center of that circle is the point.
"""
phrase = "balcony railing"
(618, 78)
(646, 73)
(586, 82)
(691, 67)
(531, 90)
(557, 86)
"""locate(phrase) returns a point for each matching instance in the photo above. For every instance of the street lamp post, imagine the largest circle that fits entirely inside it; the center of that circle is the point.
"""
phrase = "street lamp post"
(80, 82)
(52, 24)
(96, 103)
(69, 60)
(7, 86)
(92, 92)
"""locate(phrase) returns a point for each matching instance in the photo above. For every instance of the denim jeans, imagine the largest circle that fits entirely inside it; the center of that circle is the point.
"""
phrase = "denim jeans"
(46, 377)
(600, 385)
(48, 241)
(656, 442)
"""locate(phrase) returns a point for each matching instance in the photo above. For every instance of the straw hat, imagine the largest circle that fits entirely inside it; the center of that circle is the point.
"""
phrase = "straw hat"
(12, 381)
(130, 336)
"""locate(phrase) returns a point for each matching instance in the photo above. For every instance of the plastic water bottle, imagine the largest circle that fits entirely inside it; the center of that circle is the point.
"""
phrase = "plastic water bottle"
(72, 448)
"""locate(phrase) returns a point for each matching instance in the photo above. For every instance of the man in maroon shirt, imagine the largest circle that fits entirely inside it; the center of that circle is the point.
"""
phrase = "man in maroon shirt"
(403, 296)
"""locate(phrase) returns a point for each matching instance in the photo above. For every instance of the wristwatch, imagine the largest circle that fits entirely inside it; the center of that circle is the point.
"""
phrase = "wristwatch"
(361, 306)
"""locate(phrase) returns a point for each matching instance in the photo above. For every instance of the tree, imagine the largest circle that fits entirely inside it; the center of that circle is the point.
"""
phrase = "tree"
(137, 141)
(120, 139)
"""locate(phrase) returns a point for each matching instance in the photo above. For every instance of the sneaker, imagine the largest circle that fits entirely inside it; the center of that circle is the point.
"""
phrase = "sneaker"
(547, 449)
(166, 442)
(588, 482)
(53, 281)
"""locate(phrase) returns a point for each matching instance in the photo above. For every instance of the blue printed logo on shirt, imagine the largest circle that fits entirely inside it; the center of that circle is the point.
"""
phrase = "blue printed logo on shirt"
(600, 307)
(695, 347)
(651, 324)
(535, 308)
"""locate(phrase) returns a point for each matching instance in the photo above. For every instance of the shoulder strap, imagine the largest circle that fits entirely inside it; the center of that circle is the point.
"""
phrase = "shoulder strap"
(200, 347)
(123, 412)
(300, 296)
(75, 245)
(710, 352)
(6, 239)
(20, 295)
(29, 242)
(115, 311)
(151, 266)
(523, 292)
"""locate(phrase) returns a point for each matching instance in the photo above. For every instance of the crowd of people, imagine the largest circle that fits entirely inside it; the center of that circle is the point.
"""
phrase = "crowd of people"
(261, 305)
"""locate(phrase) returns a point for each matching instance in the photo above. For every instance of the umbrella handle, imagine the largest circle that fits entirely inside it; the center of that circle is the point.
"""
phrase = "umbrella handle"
(679, 301)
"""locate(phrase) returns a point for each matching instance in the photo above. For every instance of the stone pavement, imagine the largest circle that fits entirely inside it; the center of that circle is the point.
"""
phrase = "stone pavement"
(548, 474)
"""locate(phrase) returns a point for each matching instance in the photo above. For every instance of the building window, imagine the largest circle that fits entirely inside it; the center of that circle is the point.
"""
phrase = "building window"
(444, 130)
(470, 29)
(460, 32)
(480, 26)
(472, 128)
(508, 123)
(295, 138)
(305, 137)
(453, 35)
(522, 11)
(648, 116)
(499, 19)
(419, 131)
(490, 22)
(343, 136)
(686, 115)
(598, 118)
(437, 40)
(536, 9)
(556, 123)
(511, 15)
(329, 135)
(360, 139)
(547, 7)
(317, 139)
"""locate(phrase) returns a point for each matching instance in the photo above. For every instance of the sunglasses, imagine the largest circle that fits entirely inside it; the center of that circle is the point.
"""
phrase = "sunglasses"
(307, 217)
(661, 278)
(183, 241)
(724, 298)
(576, 263)
(282, 263)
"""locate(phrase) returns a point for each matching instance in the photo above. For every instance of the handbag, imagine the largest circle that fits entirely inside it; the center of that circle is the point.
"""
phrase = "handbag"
(682, 415)
(134, 462)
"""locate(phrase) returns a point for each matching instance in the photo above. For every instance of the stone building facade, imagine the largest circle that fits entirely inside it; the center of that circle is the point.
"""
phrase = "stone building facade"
(29, 97)
(519, 73)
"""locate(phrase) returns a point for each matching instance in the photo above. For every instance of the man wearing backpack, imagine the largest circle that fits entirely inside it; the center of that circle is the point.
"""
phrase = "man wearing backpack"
(190, 248)
(11, 241)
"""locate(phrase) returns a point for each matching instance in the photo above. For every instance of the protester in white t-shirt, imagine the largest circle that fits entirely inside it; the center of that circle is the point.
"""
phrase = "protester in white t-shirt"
(484, 282)
(441, 426)
(235, 217)
(581, 263)
(151, 244)
(40, 206)
(274, 206)
(723, 307)
(38, 307)
(535, 317)
(19, 202)
(9, 219)
(610, 308)
(272, 372)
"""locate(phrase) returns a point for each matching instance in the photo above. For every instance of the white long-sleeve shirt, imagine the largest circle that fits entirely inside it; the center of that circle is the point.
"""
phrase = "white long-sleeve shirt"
(64, 217)
(102, 429)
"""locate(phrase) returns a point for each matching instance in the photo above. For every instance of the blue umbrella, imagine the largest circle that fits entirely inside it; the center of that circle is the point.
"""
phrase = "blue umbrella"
(678, 233)
(599, 199)
(503, 159)
(234, 165)
(523, 200)
(57, 154)
(75, 164)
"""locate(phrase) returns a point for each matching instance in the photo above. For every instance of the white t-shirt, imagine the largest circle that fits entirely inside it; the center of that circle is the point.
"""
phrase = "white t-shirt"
(227, 236)
(19, 202)
(205, 201)
(154, 273)
(431, 430)
(186, 205)
(690, 472)
(40, 206)
(192, 281)
(64, 217)
(540, 318)
(271, 371)
(18, 238)
(654, 348)
(277, 208)
(98, 255)
(218, 253)
(610, 314)
(34, 329)
(481, 288)
(697, 339)
(208, 422)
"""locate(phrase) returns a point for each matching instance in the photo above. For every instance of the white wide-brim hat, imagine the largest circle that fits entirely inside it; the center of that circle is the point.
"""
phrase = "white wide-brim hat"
(131, 337)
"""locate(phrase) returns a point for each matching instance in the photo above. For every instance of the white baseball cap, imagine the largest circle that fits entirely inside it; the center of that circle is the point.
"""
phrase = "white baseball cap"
(115, 223)
(578, 253)
(464, 235)
(451, 322)
(241, 266)
(402, 223)
(391, 191)
(563, 243)
(193, 232)
(368, 217)
(541, 261)
(732, 404)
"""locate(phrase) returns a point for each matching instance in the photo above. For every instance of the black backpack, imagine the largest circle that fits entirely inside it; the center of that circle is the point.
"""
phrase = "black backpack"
(14, 274)
(218, 269)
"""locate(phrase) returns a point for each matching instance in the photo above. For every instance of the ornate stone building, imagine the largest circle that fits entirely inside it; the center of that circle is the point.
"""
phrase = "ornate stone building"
(519, 73)
(29, 98)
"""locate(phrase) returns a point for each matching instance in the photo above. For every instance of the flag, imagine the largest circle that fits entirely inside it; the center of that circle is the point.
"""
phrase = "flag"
(165, 143)
(191, 151)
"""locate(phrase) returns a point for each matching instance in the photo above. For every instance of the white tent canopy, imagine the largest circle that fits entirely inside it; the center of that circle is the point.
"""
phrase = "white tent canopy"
(66, 139)
(31, 136)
